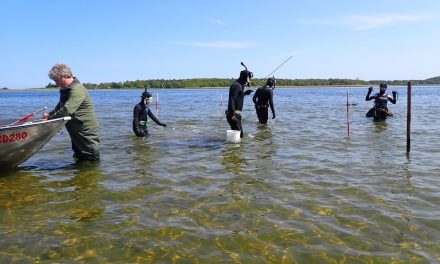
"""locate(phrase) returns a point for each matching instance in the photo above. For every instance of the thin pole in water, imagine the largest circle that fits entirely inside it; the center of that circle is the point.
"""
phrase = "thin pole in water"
(157, 101)
(408, 120)
(278, 67)
(348, 117)
(28, 116)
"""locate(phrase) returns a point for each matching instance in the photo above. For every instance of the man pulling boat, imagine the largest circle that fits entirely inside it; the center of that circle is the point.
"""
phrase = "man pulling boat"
(76, 102)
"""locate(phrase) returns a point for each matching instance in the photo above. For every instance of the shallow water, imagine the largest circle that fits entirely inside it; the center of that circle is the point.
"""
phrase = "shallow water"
(295, 191)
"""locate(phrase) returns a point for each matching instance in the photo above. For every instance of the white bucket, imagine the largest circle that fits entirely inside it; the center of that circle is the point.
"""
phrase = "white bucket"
(233, 136)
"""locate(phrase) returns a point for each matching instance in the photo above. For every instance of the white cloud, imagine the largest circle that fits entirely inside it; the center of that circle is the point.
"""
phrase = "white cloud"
(366, 22)
(384, 20)
(217, 22)
(217, 44)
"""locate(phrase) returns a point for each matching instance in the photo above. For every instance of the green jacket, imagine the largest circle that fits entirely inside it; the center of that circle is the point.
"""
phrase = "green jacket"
(76, 103)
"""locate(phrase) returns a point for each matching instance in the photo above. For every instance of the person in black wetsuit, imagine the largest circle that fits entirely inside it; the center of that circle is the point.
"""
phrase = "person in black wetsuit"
(380, 109)
(263, 98)
(140, 113)
(236, 98)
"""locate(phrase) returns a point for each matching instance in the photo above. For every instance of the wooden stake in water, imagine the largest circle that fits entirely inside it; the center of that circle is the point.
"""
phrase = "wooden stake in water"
(348, 117)
(408, 119)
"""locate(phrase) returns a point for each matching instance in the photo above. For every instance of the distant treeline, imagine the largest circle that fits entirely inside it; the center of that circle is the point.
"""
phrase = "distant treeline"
(217, 82)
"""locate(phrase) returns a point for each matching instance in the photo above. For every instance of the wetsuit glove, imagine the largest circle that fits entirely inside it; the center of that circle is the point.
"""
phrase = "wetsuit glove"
(394, 94)
(273, 115)
(370, 89)
(248, 92)
(163, 124)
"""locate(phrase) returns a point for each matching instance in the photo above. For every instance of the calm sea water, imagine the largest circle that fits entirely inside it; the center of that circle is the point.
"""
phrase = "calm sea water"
(295, 191)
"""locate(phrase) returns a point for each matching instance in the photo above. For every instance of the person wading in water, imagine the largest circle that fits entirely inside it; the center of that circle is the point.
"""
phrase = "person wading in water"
(263, 99)
(140, 113)
(76, 102)
(380, 109)
(236, 98)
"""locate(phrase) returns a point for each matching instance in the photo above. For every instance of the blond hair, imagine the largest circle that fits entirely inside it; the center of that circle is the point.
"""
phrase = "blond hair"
(60, 71)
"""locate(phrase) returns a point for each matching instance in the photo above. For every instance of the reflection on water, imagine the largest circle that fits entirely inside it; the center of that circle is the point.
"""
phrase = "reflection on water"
(380, 126)
(294, 191)
(406, 167)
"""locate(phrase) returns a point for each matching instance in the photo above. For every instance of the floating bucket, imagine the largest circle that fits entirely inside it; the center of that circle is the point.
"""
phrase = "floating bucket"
(233, 136)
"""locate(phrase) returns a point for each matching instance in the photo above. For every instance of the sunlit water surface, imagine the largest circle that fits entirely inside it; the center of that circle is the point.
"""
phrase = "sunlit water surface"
(295, 191)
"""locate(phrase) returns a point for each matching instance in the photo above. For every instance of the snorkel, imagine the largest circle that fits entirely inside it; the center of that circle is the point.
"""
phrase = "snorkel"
(245, 76)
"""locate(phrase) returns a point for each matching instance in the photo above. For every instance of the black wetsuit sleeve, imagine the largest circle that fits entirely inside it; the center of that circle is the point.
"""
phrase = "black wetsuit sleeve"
(248, 92)
(392, 100)
(137, 109)
(153, 117)
(369, 98)
(254, 99)
(272, 107)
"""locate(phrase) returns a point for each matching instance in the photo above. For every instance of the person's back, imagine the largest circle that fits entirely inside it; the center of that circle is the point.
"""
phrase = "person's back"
(263, 96)
(236, 97)
(263, 99)
(84, 118)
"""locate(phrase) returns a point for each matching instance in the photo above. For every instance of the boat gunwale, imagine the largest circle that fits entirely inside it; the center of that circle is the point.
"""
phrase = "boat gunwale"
(31, 124)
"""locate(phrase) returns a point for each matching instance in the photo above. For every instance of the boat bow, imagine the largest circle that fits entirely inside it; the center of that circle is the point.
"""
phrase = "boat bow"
(20, 142)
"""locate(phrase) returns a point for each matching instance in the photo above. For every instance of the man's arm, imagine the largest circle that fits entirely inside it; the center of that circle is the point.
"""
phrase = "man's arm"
(72, 104)
(272, 107)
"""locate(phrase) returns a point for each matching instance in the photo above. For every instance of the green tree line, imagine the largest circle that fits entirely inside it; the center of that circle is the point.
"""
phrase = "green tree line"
(218, 82)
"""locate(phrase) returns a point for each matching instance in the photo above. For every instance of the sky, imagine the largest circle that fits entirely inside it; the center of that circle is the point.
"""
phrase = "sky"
(116, 41)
